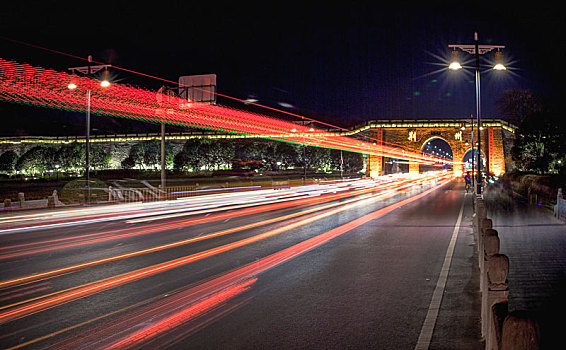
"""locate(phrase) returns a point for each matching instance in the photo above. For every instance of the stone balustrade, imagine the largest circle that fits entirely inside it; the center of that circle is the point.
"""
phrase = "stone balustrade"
(501, 329)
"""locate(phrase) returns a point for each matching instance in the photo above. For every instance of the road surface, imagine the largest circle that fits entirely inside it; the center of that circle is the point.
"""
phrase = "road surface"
(358, 264)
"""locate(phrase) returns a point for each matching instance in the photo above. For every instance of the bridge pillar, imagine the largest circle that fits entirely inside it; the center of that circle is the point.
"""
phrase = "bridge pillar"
(495, 151)
(374, 166)
(458, 169)
(413, 168)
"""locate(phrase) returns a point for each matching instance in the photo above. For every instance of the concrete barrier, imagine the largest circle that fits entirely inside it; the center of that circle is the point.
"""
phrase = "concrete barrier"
(491, 245)
(50, 202)
(21, 199)
(520, 331)
(495, 291)
(498, 313)
(486, 224)
(560, 207)
(501, 330)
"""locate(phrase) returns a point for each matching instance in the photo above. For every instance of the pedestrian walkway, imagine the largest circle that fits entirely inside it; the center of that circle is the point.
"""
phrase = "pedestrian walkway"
(535, 243)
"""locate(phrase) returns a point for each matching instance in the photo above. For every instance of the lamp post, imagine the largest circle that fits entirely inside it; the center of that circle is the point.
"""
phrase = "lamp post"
(477, 50)
(88, 70)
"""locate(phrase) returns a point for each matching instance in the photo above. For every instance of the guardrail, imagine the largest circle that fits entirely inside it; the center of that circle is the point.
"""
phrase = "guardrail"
(130, 194)
(500, 328)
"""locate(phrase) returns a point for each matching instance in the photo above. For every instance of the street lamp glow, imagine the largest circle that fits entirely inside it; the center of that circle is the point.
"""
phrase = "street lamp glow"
(72, 86)
(498, 61)
(454, 61)
(105, 83)
(499, 66)
(454, 66)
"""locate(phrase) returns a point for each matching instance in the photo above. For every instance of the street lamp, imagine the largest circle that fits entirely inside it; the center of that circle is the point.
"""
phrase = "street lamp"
(88, 70)
(477, 50)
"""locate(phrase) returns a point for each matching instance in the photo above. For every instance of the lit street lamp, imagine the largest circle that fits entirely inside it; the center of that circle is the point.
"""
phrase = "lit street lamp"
(88, 71)
(477, 50)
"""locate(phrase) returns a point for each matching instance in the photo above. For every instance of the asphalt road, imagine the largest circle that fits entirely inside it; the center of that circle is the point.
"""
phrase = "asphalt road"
(348, 267)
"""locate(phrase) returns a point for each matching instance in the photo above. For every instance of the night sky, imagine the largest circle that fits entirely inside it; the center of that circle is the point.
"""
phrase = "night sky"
(343, 63)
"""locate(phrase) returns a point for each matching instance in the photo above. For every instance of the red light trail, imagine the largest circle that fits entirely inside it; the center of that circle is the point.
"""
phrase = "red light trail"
(34, 305)
(184, 306)
(26, 84)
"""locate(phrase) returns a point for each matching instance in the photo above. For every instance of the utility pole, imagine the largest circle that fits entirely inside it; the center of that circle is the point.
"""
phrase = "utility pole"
(88, 70)
(476, 49)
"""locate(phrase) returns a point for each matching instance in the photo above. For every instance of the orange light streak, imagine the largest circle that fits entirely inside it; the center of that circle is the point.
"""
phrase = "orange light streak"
(183, 223)
(73, 268)
(119, 234)
(185, 315)
(22, 83)
(71, 294)
(243, 273)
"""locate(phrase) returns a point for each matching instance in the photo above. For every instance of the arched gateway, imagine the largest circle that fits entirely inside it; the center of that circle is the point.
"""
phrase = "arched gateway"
(496, 141)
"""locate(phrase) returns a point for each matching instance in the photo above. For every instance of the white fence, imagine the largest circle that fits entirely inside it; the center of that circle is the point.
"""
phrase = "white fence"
(149, 194)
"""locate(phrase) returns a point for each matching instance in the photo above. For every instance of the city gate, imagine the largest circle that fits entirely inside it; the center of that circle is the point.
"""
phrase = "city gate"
(496, 141)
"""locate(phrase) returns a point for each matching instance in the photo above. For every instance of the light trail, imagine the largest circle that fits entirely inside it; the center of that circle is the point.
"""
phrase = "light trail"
(159, 227)
(186, 314)
(273, 204)
(32, 306)
(235, 277)
(180, 207)
(23, 83)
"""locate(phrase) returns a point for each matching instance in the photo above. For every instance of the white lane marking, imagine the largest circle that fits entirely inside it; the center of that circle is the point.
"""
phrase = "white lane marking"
(430, 321)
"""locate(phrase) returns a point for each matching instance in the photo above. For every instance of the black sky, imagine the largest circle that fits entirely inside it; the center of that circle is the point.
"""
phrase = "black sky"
(345, 63)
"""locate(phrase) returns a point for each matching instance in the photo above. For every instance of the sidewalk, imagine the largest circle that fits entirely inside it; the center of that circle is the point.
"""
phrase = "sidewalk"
(459, 320)
(535, 243)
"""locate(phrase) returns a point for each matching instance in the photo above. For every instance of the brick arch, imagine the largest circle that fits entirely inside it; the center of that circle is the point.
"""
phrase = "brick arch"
(469, 149)
(439, 138)
(415, 133)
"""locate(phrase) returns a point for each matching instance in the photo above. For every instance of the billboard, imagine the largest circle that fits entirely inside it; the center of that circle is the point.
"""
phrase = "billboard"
(198, 88)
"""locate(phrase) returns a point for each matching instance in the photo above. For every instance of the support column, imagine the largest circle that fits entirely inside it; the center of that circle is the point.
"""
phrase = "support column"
(458, 156)
(496, 154)
(375, 162)
(413, 168)
(374, 166)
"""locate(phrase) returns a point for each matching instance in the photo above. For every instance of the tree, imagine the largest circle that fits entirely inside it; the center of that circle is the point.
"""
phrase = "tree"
(316, 157)
(70, 156)
(200, 153)
(8, 161)
(38, 159)
(517, 104)
(152, 153)
(539, 143)
(136, 155)
(286, 155)
(353, 162)
(99, 157)
(128, 163)
(190, 157)
(216, 154)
